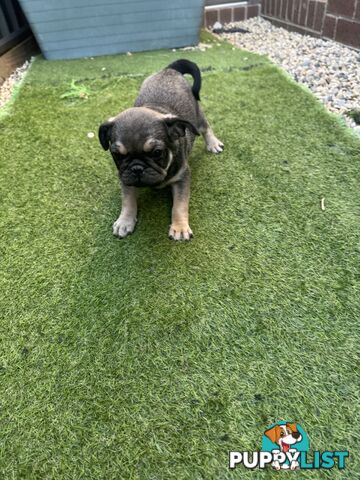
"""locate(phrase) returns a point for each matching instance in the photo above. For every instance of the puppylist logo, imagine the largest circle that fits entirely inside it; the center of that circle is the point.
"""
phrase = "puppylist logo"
(285, 446)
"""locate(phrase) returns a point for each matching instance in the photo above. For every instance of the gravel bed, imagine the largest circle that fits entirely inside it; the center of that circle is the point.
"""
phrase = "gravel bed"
(330, 70)
(7, 88)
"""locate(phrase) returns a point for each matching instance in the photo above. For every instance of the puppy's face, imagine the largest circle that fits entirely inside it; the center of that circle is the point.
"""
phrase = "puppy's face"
(142, 144)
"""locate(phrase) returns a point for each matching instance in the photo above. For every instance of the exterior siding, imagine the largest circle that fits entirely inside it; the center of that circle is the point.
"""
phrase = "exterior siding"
(78, 28)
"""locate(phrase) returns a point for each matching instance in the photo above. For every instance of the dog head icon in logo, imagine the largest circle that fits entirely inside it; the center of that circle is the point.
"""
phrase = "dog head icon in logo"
(286, 439)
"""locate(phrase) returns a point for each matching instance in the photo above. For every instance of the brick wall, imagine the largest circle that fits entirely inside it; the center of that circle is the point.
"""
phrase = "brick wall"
(342, 21)
(335, 19)
(231, 12)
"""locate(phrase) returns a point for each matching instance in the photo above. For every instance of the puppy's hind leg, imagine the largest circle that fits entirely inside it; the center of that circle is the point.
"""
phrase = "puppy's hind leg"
(126, 222)
(213, 144)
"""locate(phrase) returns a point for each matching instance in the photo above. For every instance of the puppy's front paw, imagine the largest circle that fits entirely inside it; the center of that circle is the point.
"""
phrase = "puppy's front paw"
(180, 232)
(124, 226)
(214, 145)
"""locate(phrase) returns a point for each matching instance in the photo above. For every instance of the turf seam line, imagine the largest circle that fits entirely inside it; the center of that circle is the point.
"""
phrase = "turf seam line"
(205, 70)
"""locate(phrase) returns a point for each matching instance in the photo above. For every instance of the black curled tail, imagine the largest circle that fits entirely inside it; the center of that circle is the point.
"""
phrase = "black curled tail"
(185, 66)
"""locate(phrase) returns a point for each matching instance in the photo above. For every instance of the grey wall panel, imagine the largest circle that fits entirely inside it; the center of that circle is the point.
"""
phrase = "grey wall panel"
(42, 5)
(100, 10)
(113, 49)
(117, 39)
(103, 35)
(129, 21)
(76, 28)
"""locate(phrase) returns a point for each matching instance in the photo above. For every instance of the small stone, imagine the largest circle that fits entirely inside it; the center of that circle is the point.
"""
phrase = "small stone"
(339, 103)
(217, 26)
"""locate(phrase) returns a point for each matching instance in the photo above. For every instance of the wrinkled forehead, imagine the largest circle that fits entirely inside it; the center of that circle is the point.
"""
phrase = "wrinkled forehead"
(139, 132)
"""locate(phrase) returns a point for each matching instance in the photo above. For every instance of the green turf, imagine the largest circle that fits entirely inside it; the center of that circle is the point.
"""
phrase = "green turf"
(148, 359)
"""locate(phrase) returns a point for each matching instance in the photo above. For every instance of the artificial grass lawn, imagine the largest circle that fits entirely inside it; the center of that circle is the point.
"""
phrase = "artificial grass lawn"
(148, 359)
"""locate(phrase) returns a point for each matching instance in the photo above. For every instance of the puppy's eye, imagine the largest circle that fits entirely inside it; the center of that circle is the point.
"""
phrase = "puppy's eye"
(120, 156)
(156, 153)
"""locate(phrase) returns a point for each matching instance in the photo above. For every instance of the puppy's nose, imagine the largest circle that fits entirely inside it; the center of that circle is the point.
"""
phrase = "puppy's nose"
(137, 169)
(295, 434)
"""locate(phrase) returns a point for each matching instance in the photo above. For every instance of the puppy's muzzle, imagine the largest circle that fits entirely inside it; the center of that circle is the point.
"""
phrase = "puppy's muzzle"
(139, 174)
(137, 169)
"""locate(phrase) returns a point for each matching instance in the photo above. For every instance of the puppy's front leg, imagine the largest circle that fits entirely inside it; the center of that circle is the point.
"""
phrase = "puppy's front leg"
(126, 222)
(179, 228)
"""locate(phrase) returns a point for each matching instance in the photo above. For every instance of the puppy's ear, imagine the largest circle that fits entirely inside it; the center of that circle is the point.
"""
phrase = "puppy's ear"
(176, 127)
(273, 433)
(104, 133)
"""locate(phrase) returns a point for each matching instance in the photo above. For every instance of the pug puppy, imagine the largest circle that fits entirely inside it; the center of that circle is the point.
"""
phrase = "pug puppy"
(151, 143)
